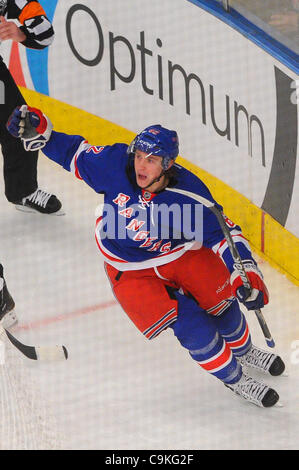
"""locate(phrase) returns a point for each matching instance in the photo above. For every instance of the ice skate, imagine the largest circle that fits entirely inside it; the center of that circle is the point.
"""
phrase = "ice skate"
(262, 360)
(255, 392)
(7, 313)
(42, 202)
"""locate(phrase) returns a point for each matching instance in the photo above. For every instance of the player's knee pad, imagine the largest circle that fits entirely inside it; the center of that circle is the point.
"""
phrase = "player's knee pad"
(194, 328)
(230, 319)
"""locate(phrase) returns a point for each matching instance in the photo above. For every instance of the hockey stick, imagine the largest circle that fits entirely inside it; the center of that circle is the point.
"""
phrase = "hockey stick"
(235, 254)
(41, 353)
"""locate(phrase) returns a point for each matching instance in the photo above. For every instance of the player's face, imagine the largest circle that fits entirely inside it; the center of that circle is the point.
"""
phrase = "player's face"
(147, 168)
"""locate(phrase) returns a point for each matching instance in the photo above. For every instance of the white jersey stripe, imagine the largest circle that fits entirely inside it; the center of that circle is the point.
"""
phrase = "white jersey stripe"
(73, 165)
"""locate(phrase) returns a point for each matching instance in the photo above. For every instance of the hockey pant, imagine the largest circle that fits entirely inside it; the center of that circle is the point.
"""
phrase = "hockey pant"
(191, 295)
(19, 166)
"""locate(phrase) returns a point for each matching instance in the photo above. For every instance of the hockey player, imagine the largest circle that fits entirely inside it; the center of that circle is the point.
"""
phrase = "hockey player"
(20, 169)
(164, 271)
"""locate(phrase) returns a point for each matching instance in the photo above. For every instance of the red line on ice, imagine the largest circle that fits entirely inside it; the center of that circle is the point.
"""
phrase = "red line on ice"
(66, 316)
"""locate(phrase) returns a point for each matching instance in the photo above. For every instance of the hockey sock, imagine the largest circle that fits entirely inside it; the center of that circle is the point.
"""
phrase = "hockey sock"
(233, 327)
(197, 332)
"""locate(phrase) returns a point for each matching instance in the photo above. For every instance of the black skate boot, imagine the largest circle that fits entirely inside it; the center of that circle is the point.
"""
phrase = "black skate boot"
(7, 314)
(40, 201)
(262, 360)
(254, 391)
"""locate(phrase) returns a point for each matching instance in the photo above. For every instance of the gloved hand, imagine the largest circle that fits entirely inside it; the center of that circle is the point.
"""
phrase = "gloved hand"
(31, 125)
(259, 294)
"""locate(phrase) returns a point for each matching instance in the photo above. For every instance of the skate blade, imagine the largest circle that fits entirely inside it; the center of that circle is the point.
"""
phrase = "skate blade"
(58, 213)
(30, 210)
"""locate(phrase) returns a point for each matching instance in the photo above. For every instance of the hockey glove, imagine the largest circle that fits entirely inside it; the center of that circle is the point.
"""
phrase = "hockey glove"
(31, 125)
(259, 294)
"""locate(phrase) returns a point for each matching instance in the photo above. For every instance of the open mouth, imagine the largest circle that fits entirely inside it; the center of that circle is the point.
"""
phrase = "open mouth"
(142, 177)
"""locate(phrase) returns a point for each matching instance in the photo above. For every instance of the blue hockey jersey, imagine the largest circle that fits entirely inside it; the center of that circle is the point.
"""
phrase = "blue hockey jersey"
(139, 229)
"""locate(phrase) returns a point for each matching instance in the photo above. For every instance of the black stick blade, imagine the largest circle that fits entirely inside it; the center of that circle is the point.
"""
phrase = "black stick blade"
(28, 351)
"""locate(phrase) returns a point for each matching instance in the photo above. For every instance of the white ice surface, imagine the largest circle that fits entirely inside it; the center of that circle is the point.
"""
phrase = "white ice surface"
(117, 390)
